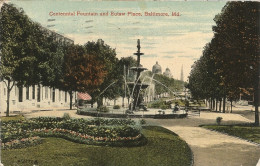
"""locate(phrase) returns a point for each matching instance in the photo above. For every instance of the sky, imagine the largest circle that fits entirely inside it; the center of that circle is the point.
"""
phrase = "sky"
(173, 41)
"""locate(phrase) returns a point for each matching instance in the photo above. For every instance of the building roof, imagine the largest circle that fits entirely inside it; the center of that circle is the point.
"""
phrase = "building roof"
(84, 96)
(167, 73)
(157, 69)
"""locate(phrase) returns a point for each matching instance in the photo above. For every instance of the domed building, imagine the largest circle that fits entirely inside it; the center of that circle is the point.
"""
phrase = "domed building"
(157, 69)
(167, 73)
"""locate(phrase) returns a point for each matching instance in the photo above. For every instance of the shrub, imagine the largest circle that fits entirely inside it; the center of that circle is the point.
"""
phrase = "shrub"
(163, 107)
(218, 120)
(116, 107)
(142, 121)
(160, 104)
(66, 116)
(102, 109)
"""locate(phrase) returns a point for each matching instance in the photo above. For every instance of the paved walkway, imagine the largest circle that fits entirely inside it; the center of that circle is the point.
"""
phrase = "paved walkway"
(209, 148)
(212, 148)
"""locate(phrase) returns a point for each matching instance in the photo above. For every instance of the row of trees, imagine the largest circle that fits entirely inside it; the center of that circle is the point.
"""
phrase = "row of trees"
(31, 55)
(229, 65)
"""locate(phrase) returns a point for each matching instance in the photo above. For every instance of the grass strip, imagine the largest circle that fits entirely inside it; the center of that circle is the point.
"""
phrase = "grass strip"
(251, 133)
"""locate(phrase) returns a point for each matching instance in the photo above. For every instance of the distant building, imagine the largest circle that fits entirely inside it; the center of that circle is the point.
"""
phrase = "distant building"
(58, 37)
(157, 69)
(167, 73)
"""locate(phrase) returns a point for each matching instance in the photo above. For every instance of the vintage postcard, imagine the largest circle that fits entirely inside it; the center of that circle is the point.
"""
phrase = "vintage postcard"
(129, 83)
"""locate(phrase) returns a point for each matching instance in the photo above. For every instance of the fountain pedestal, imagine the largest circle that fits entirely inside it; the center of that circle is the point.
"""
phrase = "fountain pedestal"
(137, 86)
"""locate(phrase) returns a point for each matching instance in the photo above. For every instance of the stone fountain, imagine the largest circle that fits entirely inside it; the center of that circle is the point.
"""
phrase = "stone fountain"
(137, 86)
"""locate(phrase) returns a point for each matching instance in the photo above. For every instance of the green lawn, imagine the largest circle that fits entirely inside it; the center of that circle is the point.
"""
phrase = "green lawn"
(251, 133)
(16, 117)
(163, 148)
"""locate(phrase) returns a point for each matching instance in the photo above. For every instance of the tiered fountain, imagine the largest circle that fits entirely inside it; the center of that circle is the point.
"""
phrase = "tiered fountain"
(137, 86)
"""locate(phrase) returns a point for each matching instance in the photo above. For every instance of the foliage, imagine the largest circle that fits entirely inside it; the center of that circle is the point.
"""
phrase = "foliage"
(230, 62)
(29, 54)
(79, 130)
(162, 81)
(109, 88)
(66, 116)
(129, 75)
(162, 148)
(103, 109)
(15, 39)
(22, 143)
(159, 104)
(116, 107)
(94, 121)
(82, 71)
(125, 65)
(142, 121)
(237, 32)
(163, 107)
(218, 120)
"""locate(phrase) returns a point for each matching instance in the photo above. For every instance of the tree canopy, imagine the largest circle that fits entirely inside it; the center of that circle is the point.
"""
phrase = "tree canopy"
(229, 65)
(107, 55)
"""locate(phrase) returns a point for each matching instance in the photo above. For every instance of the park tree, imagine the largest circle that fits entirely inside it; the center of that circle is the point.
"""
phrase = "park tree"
(238, 38)
(50, 60)
(29, 55)
(82, 72)
(15, 43)
(163, 84)
(204, 82)
(231, 60)
(109, 87)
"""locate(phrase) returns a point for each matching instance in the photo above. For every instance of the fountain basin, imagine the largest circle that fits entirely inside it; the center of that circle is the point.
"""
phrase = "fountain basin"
(151, 113)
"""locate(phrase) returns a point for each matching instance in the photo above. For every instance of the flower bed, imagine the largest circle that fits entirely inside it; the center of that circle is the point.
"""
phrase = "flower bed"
(97, 131)
(84, 138)
(24, 142)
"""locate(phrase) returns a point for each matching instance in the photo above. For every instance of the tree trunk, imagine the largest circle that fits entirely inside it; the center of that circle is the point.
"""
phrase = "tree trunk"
(123, 102)
(256, 103)
(231, 101)
(216, 105)
(214, 102)
(224, 104)
(8, 99)
(92, 103)
(99, 102)
(71, 97)
(9, 88)
(220, 103)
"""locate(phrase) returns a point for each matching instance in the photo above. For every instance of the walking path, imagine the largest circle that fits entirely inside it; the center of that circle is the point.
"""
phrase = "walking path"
(209, 148)
(212, 148)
